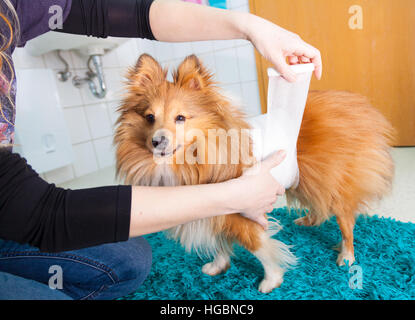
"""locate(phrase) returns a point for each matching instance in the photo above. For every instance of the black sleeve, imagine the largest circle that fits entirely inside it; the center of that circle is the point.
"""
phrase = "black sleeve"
(53, 219)
(115, 18)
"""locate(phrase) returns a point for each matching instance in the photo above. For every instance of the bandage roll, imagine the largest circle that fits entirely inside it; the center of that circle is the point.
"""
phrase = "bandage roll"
(278, 129)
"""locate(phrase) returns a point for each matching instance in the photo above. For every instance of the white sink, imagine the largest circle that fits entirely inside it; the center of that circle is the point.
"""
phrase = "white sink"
(52, 41)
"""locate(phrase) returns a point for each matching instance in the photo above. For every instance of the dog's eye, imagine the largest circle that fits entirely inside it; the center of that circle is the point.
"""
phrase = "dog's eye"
(150, 118)
(180, 118)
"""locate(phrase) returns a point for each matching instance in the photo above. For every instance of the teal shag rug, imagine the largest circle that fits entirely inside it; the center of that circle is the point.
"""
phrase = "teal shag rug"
(384, 250)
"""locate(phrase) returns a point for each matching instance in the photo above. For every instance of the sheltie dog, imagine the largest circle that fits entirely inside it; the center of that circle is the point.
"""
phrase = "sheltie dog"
(343, 158)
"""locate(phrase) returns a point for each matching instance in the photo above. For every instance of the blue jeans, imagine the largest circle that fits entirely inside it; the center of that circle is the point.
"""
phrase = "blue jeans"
(104, 272)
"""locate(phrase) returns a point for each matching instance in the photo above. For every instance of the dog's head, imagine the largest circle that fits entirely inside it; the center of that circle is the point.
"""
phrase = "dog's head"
(162, 120)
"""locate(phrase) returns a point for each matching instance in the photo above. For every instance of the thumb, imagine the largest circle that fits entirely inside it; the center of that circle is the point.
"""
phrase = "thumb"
(273, 160)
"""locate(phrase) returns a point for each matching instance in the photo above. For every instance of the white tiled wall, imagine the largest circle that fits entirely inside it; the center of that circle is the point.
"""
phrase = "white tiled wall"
(91, 120)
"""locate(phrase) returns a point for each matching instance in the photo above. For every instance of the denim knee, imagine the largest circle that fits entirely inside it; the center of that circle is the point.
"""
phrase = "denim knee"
(107, 271)
(132, 269)
(137, 263)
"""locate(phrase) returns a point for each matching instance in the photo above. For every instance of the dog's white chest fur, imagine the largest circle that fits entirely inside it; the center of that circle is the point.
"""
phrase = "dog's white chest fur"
(197, 235)
(163, 176)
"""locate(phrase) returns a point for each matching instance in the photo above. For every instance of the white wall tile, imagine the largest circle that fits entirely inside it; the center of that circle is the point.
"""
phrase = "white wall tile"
(112, 107)
(232, 4)
(242, 42)
(69, 95)
(234, 93)
(147, 46)
(128, 53)
(98, 120)
(105, 152)
(208, 61)
(223, 44)
(227, 66)
(246, 63)
(242, 7)
(182, 49)
(77, 124)
(202, 47)
(85, 160)
(114, 79)
(171, 66)
(163, 51)
(110, 59)
(60, 175)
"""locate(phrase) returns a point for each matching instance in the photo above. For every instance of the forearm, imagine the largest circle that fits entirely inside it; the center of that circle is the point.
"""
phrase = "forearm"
(53, 219)
(155, 209)
(178, 21)
(159, 208)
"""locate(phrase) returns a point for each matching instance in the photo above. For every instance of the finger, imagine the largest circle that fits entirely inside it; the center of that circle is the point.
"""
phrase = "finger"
(318, 64)
(305, 60)
(273, 160)
(284, 69)
(313, 55)
(263, 222)
(292, 60)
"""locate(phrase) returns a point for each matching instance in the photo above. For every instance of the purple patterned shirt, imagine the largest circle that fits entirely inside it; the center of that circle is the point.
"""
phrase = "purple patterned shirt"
(34, 17)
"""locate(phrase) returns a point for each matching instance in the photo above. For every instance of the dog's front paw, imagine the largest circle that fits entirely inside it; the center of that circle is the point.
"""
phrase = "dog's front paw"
(271, 282)
(213, 269)
(345, 256)
(266, 286)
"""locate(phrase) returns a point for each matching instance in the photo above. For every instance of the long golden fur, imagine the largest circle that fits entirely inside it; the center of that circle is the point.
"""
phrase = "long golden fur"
(343, 158)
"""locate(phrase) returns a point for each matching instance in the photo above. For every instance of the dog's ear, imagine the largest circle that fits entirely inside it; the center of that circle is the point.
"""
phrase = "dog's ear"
(147, 72)
(192, 74)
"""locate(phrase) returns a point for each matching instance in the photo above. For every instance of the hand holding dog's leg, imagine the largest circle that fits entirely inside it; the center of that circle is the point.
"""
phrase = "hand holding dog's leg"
(155, 209)
(258, 187)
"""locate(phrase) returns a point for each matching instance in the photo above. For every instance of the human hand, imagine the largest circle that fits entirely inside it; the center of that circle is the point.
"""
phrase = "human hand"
(277, 44)
(257, 189)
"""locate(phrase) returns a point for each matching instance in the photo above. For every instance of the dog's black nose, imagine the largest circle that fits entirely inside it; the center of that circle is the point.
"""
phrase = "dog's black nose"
(160, 141)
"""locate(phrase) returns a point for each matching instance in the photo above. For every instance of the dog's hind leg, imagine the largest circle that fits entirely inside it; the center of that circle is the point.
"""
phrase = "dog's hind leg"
(220, 264)
(345, 248)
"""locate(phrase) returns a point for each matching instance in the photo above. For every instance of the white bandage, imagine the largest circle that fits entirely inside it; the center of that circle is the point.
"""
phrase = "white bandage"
(279, 128)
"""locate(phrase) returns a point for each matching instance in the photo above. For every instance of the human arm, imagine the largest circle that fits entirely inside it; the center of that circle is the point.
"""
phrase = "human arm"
(273, 42)
(176, 21)
(252, 195)
(54, 219)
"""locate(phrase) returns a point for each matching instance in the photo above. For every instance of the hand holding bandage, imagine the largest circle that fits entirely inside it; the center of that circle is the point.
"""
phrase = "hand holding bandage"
(279, 128)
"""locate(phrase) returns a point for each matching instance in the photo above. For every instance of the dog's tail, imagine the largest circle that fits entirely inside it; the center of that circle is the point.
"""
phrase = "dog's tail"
(343, 154)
